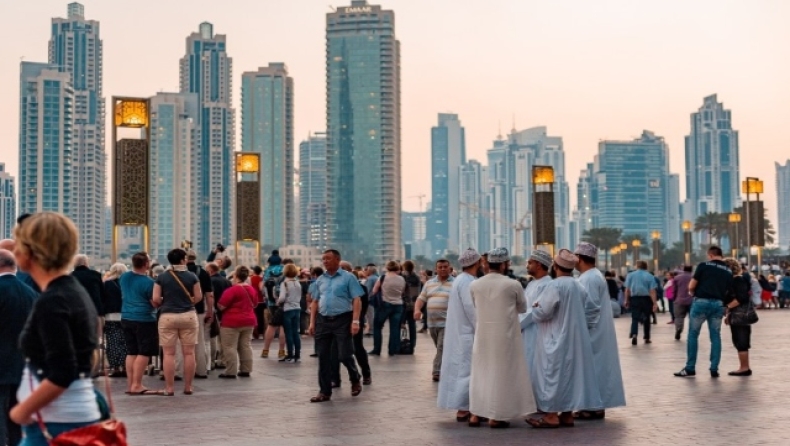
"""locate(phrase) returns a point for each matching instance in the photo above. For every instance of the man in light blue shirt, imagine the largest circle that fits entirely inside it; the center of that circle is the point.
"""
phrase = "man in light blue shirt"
(640, 297)
(334, 316)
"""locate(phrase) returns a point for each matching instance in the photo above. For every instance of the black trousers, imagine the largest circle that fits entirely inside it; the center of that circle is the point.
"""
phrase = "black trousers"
(360, 354)
(334, 330)
(641, 310)
(10, 432)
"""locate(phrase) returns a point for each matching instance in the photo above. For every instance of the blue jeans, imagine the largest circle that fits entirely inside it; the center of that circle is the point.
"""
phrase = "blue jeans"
(34, 437)
(392, 313)
(291, 321)
(702, 310)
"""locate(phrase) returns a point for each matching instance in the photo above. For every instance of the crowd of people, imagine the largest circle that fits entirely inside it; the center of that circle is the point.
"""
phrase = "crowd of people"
(544, 349)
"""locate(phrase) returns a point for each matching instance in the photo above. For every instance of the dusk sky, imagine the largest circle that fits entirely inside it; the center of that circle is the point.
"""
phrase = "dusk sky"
(589, 70)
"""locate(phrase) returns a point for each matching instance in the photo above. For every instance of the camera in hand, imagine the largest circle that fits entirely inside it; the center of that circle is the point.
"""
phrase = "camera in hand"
(220, 247)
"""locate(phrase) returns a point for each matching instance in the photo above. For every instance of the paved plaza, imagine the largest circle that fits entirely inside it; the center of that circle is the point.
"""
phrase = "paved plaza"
(272, 407)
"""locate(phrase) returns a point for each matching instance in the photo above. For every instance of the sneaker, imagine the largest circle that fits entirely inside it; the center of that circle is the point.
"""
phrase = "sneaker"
(265, 353)
(683, 373)
(633, 339)
(295, 359)
(677, 334)
(714, 373)
(286, 359)
(281, 354)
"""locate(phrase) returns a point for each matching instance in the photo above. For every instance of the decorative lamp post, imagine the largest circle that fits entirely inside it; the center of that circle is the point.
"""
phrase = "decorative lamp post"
(755, 218)
(248, 201)
(636, 244)
(656, 250)
(687, 242)
(544, 232)
(624, 255)
(615, 257)
(734, 218)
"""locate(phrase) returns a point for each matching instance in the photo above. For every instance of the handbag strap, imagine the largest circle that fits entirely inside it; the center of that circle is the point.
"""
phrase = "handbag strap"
(252, 299)
(175, 276)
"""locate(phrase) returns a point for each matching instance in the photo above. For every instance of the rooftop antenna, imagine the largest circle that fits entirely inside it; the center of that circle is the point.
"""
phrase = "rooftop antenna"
(514, 123)
(499, 136)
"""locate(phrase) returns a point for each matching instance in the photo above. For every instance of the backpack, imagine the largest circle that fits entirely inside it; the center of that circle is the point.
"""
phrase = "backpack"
(273, 278)
(376, 299)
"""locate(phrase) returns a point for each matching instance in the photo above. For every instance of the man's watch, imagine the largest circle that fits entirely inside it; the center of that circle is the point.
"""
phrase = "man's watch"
(355, 322)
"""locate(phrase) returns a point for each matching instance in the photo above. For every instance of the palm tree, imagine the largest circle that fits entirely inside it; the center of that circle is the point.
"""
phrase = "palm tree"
(712, 223)
(603, 238)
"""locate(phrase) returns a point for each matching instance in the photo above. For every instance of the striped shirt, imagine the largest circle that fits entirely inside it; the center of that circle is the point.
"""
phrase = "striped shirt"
(436, 295)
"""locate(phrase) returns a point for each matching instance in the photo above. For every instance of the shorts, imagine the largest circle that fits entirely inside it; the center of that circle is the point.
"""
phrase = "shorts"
(141, 338)
(741, 337)
(174, 327)
(269, 322)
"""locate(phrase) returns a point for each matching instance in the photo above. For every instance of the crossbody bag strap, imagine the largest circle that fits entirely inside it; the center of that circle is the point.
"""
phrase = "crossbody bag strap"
(252, 299)
(175, 276)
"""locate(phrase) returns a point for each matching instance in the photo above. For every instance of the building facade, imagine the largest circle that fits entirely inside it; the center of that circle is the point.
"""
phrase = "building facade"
(75, 47)
(46, 171)
(206, 70)
(7, 203)
(312, 192)
(448, 153)
(414, 235)
(267, 123)
(783, 210)
(174, 172)
(712, 163)
(363, 132)
(473, 221)
(633, 189)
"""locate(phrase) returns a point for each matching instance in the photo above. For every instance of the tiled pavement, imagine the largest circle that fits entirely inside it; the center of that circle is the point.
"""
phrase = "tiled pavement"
(273, 406)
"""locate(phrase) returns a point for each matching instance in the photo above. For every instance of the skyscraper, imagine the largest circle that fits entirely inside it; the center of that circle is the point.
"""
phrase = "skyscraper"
(633, 189)
(7, 203)
(75, 47)
(473, 197)
(363, 132)
(206, 69)
(312, 192)
(267, 110)
(782, 197)
(448, 153)
(46, 173)
(174, 171)
(712, 176)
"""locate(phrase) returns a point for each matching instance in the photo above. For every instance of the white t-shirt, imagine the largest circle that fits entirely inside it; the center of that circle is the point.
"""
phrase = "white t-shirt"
(76, 405)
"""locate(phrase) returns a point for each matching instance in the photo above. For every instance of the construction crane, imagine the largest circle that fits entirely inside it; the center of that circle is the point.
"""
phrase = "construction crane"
(518, 228)
(420, 197)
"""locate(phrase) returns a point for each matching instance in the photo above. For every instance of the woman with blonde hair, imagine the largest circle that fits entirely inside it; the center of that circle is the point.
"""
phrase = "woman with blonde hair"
(290, 299)
(60, 334)
(115, 343)
(237, 305)
(393, 288)
(737, 299)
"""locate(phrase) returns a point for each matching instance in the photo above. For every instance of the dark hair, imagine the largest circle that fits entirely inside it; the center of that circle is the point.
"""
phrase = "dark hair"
(608, 274)
(275, 252)
(257, 269)
(176, 256)
(715, 251)
(242, 273)
(428, 273)
(442, 261)
(287, 261)
(409, 266)
(687, 268)
(641, 264)
(587, 260)
(317, 271)
(139, 260)
(334, 252)
(494, 266)
(226, 262)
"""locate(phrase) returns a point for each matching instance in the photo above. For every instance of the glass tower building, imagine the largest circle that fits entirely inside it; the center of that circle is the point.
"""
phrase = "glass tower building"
(633, 190)
(174, 171)
(312, 192)
(7, 203)
(363, 133)
(206, 70)
(448, 153)
(712, 175)
(46, 172)
(75, 47)
(267, 127)
(782, 198)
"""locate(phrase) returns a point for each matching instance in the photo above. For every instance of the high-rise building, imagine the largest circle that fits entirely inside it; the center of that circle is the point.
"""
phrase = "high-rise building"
(582, 217)
(633, 189)
(267, 111)
(75, 47)
(363, 132)
(7, 203)
(414, 235)
(712, 175)
(510, 180)
(448, 153)
(174, 171)
(782, 198)
(46, 173)
(206, 69)
(312, 192)
(473, 221)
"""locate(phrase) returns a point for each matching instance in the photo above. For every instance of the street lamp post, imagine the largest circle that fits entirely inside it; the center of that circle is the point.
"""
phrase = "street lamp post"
(687, 242)
(624, 255)
(636, 244)
(615, 252)
(656, 250)
(734, 218)
(248, 202)
(543, 223)
(755, 229)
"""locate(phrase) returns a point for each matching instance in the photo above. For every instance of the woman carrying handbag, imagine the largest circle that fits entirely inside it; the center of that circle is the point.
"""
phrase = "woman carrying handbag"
(58, 405)
(740, 316)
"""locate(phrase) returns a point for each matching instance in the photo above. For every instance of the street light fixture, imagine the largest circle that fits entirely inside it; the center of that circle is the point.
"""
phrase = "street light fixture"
(687, 242)
(734, 218)
(656, 248)
(543, 224)
(755, 222)
(636, 244)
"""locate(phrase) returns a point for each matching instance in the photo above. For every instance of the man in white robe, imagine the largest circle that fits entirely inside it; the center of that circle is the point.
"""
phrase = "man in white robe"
(563, 353)
(538, 267)
(459, 335)
(603, 338)
(500, 387)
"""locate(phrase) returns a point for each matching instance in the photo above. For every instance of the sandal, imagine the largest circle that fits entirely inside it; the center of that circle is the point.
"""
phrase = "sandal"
(187, 392)
(589, 415)
(541, 423)
(493, 424)
(463, 418)
(320, 398)
(166, 393)
(474, 421)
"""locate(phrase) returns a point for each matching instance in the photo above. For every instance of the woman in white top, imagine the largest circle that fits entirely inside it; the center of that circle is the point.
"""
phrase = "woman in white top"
(392, 287)
(290, 299)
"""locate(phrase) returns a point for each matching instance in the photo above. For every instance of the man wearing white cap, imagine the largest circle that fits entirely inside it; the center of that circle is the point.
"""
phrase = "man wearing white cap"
(459, 335)
(500, 387)
(538, 267)
(600, 322)
(563, 353)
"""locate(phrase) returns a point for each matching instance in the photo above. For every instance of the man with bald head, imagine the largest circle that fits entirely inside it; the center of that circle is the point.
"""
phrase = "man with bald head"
(9, 245)
(16, 302)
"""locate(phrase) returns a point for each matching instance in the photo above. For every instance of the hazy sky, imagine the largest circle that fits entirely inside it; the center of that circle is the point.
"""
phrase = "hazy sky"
(589, 70)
